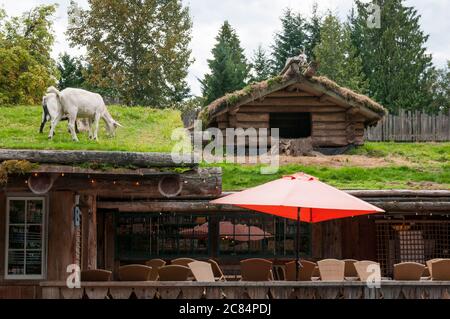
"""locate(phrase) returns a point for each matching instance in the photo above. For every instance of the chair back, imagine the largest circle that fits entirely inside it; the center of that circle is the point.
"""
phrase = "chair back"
(256, 269)
(182, 261)
(430, 263)
(93, 275)
(305, 271)
(368, 268)
(202, 271)
(408, 271)
(155, 264)
(350, 270)
(331, 269)
(134, 273)
(441, 270)
(218, 273)
(174, 273)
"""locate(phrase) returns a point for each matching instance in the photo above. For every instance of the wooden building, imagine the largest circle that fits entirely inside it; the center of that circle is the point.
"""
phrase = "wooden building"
(301, 105)
(53, 215)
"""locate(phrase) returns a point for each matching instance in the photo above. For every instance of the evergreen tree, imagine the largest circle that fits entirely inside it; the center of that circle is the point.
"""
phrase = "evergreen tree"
(394, 55)
(440, 90)
(138, 50)
(290, 41)
(228, 67)
(313, 28)
(336, 55)
(71, 71)
(261, 66)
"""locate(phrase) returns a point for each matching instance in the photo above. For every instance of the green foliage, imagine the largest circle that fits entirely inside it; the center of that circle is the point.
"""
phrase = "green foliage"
(71, 70)
(14, 167)
(26, 68)
(394, 57)
(441, 90)
(261, 66)
(145, 130)
(337, 56)
(290, 41)
(313, 27)
(138, 50)
(228, 68)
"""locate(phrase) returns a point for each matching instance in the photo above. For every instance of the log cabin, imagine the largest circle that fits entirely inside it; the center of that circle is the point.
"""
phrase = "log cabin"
(301, 105)
(66, 209)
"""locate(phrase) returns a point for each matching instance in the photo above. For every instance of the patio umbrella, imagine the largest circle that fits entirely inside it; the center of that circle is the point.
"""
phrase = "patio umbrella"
(300, 197)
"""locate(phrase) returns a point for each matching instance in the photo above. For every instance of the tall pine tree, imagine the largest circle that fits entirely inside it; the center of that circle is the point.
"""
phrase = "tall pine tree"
(229, 69)
(394, 55)
(313, 28)
(290, 41)
(261, 66)
(337, 56)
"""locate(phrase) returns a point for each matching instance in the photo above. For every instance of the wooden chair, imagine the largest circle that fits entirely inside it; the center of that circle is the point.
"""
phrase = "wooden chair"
(218, 273)
(331, 269)
(368, 268)
(441, 270)
(174, 273)
(182, 261)
(202, 271)
(155, 264)
(429, 265)
(279, 272)
(350, 270)
(134, 273)
(305, 272)
(408, 271)
(93, 275)
(256, 269)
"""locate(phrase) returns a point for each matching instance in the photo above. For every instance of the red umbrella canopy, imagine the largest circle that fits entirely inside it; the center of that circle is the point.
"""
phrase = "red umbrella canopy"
(283, 197)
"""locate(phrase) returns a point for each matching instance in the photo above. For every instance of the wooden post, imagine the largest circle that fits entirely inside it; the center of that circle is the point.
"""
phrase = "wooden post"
(88, 232)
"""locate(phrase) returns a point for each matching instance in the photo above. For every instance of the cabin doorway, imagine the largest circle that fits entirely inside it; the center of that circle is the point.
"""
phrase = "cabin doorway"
(292, 125)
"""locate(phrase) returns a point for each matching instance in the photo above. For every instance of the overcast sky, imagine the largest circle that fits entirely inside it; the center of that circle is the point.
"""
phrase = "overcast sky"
(256, 22)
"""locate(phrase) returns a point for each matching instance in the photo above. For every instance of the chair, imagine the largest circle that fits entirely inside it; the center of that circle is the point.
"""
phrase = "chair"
(331, 269)
(182, 261)
(429, 265)
(441, 270)
(279, 272)
(350, 270)
(305, 271)
(174, 273)
(134, 273)
(316, 272)
(366, 269)
(408, 271)
(93, 275)
(218, 273)
(426, 273)
(202, 271)
(256, 269)
(155, 264)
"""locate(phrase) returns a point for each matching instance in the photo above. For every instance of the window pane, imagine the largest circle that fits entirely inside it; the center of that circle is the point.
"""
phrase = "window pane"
(16, 237)
(33, 262)
(34, 237)
(16, 262)
(17, 212)
(34, 212)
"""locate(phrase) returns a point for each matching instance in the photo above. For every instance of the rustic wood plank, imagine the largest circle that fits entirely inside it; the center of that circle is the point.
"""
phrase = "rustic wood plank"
(290, 109)
(287, 101)
(252, 117)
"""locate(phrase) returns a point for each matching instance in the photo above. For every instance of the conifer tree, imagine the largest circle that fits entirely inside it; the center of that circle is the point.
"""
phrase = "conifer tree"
(261, 66)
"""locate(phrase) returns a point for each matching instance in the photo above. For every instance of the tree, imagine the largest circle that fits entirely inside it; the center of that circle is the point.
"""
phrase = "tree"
(261, 66)
(313, 27)
(440, 90)
(138, 50)
(337, 56)
(26, 68)
(290, 41)
(228, 67)
(72, 72)
(394, 56)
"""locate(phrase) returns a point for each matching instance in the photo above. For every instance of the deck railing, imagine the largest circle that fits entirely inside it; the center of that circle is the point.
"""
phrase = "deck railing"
(249, 290)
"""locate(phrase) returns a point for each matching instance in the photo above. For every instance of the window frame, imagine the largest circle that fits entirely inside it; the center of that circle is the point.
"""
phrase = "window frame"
(26, 198)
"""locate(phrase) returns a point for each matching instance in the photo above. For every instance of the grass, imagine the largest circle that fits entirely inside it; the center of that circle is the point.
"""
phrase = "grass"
(145, 130)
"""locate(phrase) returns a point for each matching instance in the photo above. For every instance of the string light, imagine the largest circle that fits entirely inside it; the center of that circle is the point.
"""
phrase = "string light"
(137, 184)
(36, 174)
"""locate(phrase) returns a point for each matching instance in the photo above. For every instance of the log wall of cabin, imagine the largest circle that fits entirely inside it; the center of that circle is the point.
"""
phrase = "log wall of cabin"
(332, 125)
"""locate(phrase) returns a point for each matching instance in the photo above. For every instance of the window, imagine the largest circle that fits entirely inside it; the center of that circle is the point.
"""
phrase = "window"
(292, 125)
(25, 238)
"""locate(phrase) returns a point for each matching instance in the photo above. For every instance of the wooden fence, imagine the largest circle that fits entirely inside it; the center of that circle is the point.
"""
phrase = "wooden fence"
(411, 127)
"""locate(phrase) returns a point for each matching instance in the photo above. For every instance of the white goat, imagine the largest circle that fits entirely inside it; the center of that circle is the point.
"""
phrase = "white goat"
(78, 103)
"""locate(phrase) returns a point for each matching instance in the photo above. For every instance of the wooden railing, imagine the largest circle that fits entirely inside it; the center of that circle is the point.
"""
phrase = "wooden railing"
(249, 290)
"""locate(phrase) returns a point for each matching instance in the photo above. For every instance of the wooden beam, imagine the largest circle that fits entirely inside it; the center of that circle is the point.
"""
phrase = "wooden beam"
(89, 232)
(82, 157)
(300, 101)
(252, 117)
(290, 94)
(291, 108)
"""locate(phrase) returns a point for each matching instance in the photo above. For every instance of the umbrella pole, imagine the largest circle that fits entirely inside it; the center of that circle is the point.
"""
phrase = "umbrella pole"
(297, 246)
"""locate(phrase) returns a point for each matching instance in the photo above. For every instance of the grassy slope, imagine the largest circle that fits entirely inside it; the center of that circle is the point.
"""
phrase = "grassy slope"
(145, 130)
(428, 167)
